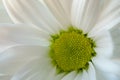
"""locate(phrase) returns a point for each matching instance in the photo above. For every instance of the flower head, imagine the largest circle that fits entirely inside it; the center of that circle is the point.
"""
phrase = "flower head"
(60, 39)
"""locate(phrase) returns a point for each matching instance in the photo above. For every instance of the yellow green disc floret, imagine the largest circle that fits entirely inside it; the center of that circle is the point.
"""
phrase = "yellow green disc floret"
(71, 49)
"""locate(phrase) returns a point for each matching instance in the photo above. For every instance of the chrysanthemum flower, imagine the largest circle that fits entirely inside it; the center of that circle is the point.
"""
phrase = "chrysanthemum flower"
(59, 40)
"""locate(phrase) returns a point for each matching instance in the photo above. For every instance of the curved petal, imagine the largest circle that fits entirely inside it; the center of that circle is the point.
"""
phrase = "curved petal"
(61, 9)
(107, 76)
(13, 59)
(4, 18)
(85, 75)
(102, 75)
(109, 8)
(106, 65)
(36, 70)
(69, 76)
(31, 12)
(109, 17)
(91, 72)
(20, 34)
(5, 77)
(59, 76)
(53, 75)
(104, 44)
(115, 32)
(79, 76)
(85, 13)
(112, 76)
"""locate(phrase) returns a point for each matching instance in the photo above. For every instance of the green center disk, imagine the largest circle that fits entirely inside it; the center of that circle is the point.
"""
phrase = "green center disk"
(72, 50)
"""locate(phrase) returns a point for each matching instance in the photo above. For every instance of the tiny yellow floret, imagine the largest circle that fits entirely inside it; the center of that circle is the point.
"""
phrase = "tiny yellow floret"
(72, 50)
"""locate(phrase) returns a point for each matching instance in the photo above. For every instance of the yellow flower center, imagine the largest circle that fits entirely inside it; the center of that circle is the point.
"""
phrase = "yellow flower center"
(71, 50)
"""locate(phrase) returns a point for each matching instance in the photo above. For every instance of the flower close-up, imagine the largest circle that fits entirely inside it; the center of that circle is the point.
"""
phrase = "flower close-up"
(59, 40)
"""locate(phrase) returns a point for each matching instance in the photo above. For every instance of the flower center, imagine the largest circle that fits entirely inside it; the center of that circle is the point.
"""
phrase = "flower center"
(71, 50)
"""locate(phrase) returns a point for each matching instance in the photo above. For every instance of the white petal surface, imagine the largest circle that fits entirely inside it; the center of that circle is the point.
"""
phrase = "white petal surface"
(109, 8)
(13, 59)
(61, 9)
(70, 76)
(59, 76)
(4, 18)
(36, 70)
(116, 60)
(91, 72)
(85, 75)
(52, 74)
(85, 13)
(5, 77)
(20, 34)
(109, 17)
(104, 45)
(79, 76)
(112, 76)
(31, 12)
(106, 65)
(115, 32)
(102, 75)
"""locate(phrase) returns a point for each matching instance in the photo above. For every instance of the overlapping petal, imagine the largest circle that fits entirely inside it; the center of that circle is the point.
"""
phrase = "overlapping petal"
(21, 34)
(91, 72)
(37, 70)
(61, 10)
(69, 76)
(15, 58)
(108, 18)
(85, 13)
(104, 44)
(32, 12)
(106, 65)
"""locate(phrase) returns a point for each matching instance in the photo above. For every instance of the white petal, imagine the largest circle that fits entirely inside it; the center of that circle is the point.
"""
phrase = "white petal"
(109, 18)
(79, 76)
(53, 75)
(91, 72)
(115, 32)
(31, 12)
(116, 60)
(85, 75)
(15, 58)
(69, 76)
(59, 76)
(85, 13)
(112, 76)
(5, 77)
(104, 45)
(4, 18)
(106, 24)
(110, 7)
(61, 9)
(20, 34)
(102, 75)
(36, 70)
(105, 65)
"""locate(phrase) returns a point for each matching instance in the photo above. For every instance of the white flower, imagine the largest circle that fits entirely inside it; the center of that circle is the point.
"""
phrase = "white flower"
(68, 41)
